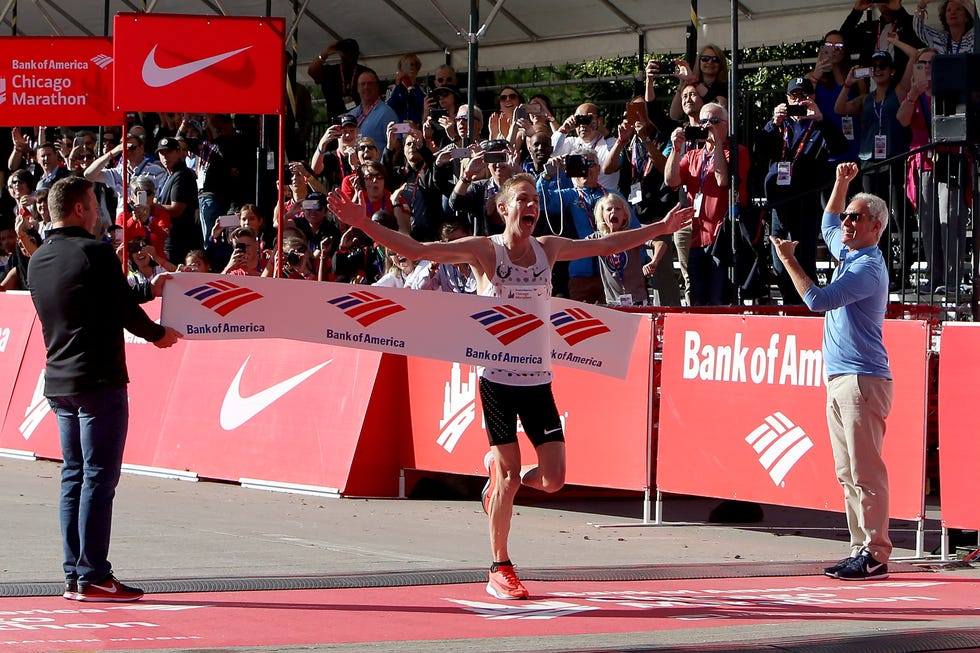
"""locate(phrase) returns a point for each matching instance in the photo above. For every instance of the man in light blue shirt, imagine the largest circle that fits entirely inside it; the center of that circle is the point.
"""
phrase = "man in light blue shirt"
(859, 381)
(372, 114)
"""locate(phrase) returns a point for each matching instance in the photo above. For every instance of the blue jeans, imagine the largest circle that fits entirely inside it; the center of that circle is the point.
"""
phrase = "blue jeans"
(210, 210)
(92, 427)
(708, 278)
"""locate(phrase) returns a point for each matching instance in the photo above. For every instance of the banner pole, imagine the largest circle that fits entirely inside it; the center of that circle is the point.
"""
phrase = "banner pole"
(280, 192)
(124, 195)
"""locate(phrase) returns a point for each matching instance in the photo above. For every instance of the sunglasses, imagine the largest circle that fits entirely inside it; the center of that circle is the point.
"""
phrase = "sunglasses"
(924, 64)
(853, 216)
(714, 120)
(444, 80)
(508, 96)
(361, 148)
(710, 58)
(835, 46)
(374, 178)
(880, 65)
(799, 95)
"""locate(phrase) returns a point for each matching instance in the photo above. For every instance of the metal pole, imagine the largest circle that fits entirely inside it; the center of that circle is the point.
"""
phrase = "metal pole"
(692, 33)
(734, 198)
(471, 64)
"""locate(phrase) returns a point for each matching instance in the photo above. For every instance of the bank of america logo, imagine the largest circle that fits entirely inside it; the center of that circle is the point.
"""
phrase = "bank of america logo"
(780, 444)
(366, 307)
(101, 60)
(507, 323)
(575, 325)
(222, 296)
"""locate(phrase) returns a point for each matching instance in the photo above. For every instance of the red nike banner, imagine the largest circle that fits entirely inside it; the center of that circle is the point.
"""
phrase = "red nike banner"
(206, 64)
(743, 412)
(56, 81)
(959, 447)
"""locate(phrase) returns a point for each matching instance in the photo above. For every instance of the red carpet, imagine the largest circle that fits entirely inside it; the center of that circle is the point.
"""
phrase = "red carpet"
(304, 617)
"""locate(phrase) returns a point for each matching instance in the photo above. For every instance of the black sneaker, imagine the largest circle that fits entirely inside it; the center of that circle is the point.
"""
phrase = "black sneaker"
(108, 589)
(71, 590)
(864, 567)
(832, 571)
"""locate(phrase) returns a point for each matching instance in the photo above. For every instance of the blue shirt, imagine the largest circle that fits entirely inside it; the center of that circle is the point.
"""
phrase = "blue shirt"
(375, 122)
(578, 204)
(855, 302)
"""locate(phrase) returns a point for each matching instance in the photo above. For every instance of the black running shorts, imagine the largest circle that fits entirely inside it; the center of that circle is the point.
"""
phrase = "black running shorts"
(534, 404)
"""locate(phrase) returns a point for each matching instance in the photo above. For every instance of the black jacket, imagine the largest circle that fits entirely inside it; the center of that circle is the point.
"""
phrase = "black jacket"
(84, 303)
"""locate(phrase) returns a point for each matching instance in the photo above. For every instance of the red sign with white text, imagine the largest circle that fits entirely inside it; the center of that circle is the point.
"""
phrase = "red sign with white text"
(743, 412)
(273, 410)
(206, 64)
(959, 447)
(56, 81)
(606, 420)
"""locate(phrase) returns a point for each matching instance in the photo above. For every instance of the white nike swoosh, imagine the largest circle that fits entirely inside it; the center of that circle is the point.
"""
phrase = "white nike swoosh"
(552, 431)
(236, 409)
(156, 76)
(108, 589)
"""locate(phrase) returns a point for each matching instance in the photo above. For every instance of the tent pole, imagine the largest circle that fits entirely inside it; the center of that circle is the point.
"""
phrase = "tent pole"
(471, 64)
(734, 199)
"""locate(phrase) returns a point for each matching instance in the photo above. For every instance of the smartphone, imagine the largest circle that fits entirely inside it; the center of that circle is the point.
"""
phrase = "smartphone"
(693, 133)
(862, 73)
(240, 247)
(134, 247)
(797, 110)
(228, 221)
(635, 113)
(583, 119)
(667, 67)
(311, 204)
(520, 113)
(460, 152)
(141, 198)
(494, 157)
(535, 108)
(437, 114)
(402, 127)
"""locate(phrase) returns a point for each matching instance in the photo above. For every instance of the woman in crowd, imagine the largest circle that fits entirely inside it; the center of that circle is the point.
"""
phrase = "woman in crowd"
(710, 74)
(939, 181)
(142, 217)
(501, 120)
(956, 17)
(828, 76)
(145, 262)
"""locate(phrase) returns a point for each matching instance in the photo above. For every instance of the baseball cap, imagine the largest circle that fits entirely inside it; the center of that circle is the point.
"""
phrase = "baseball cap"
(881, 54)
(348, 120)
(168, 143)
(800, 84)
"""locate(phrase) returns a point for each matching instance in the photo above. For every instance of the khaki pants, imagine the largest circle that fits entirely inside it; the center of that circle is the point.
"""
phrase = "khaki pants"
(857, 406)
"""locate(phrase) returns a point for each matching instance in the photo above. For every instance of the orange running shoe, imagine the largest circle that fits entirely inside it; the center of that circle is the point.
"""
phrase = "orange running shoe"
(504, 584)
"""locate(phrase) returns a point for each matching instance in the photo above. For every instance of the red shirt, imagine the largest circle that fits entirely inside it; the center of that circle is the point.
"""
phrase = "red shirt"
(697, 170)
(156, 231)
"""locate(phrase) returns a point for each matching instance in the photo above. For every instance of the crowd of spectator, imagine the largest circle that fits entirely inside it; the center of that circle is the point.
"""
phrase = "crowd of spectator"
(416, 159)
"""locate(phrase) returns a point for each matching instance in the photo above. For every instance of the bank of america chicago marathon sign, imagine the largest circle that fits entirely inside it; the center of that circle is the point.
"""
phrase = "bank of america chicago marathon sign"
(54, 81)
(523, 335)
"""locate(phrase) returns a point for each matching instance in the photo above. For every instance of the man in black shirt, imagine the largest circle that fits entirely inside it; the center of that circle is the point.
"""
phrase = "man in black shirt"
(84, 303)
(179, 198)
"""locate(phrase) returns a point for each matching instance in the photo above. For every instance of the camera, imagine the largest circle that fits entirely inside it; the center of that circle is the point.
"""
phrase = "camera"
(240, 247)
(797, 110)
(520, 113)
(293, 257)
(585, 119)
(693, 133)
(135, 246)
(577, 165)
(667, 67)
(494, 157)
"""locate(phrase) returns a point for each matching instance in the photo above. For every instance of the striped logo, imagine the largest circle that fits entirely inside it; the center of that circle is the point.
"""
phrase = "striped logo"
(366, 307)
(222, 296)
(576, 325)
(780, 445)
(507, 323)
(101, 60)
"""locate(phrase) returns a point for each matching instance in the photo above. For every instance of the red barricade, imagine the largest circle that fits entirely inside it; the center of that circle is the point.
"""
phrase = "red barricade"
(959, 446)
(273, 410)
(742, 412)
(607, 420)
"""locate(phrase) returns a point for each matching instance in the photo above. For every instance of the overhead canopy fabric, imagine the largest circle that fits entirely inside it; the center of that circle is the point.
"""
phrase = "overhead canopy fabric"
(524, 33)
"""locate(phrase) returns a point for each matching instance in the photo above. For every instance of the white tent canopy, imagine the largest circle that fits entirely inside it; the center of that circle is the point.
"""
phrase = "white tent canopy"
(522, 33)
